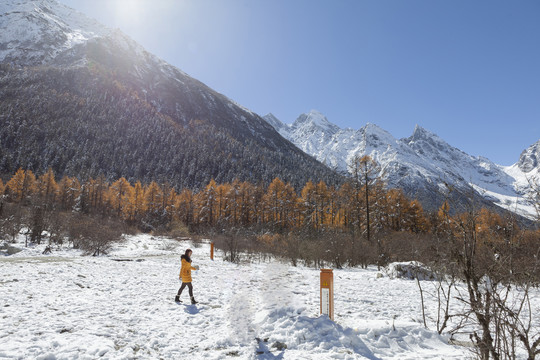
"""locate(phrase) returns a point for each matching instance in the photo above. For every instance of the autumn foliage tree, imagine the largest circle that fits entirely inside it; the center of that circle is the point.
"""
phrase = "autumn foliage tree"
(320, 216)
(48, 188)
(21, 185)
(280, 204)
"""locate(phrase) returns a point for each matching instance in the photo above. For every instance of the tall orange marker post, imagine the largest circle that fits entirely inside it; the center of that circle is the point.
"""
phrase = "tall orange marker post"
(327, 293)
(211, 251)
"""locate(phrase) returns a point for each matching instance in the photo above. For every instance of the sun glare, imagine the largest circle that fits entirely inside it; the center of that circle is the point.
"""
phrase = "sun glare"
(130, 12)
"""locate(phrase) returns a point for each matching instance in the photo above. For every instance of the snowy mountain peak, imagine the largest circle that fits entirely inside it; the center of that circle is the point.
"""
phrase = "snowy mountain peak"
(421, 133)
(420, 164)
(376, 136)
(370, 128)
(530, 158)
(425, 142)
(314, 119)
(317, 117)
(32, 32)
(373, 127)
(274, 121)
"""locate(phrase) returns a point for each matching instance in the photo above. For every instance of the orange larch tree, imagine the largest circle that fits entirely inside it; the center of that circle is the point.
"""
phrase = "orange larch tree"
(322, 201)
(308, 204)
(246, 203)
(21, 185)
(345, 205)
(222, 212)
(234, 202)
(207, 204)
(137, 206)
(119, 194)
(280, 204)
(152, 198)
(185, 207)
(96, 195)
(395, 202)
(333, 207)
(415, 220)
(47, 187)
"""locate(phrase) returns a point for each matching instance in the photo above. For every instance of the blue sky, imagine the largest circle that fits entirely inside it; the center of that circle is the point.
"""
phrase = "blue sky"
(468, 71)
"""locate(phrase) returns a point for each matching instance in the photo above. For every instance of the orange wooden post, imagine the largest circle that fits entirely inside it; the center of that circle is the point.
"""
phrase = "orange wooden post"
(211, 251)
(327, 293)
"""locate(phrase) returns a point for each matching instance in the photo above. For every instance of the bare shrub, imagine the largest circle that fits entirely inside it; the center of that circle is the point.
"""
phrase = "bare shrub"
(230, 244)
(56, 224)
(175, 229)
(336, 246)
(93, 235)
(11, 220)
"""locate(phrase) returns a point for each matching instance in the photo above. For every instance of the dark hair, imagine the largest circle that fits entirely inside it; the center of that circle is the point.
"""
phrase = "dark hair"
(186, 255)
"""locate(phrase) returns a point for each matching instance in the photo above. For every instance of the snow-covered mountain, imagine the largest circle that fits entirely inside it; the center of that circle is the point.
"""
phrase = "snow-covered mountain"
(422, 164)
(90, 100)
(35, 32)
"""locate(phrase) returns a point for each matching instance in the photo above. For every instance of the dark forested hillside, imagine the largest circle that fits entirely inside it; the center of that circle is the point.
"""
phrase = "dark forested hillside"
(86, 100)
(89, 120)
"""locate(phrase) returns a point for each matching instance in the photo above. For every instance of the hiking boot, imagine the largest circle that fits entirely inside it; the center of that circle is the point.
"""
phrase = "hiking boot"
(193, 301)
(177, 299)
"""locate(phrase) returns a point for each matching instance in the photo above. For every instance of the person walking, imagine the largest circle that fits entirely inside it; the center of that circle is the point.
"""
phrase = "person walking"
(185, 276)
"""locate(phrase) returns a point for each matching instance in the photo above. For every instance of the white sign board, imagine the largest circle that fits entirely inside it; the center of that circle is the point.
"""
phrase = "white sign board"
(325, 300)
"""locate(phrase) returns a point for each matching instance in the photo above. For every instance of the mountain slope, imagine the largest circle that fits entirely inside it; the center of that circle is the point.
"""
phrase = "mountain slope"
(86, 100)
(423, 165)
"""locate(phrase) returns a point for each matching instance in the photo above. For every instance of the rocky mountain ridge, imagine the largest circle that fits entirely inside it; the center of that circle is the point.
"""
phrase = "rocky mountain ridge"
(424, 165)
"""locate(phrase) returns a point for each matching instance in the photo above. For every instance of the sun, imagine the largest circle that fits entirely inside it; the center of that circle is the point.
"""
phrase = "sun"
(130, 12)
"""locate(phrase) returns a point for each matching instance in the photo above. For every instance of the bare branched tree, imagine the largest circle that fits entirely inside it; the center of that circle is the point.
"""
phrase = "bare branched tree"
(365, 175)
(93, 235)
(11, 220)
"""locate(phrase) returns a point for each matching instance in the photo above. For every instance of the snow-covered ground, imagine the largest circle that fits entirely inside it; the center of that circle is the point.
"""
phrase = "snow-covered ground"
(68, 306)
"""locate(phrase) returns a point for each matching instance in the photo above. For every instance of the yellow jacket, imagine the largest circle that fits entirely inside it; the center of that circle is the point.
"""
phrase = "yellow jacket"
(185, 271)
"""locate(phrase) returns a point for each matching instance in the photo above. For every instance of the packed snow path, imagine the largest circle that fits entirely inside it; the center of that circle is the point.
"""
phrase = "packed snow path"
(66, 306)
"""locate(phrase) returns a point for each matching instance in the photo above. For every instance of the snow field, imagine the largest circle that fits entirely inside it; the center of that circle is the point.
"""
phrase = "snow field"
(66, 306)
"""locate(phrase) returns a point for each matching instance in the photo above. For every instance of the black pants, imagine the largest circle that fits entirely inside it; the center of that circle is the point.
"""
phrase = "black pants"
(190, 288)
